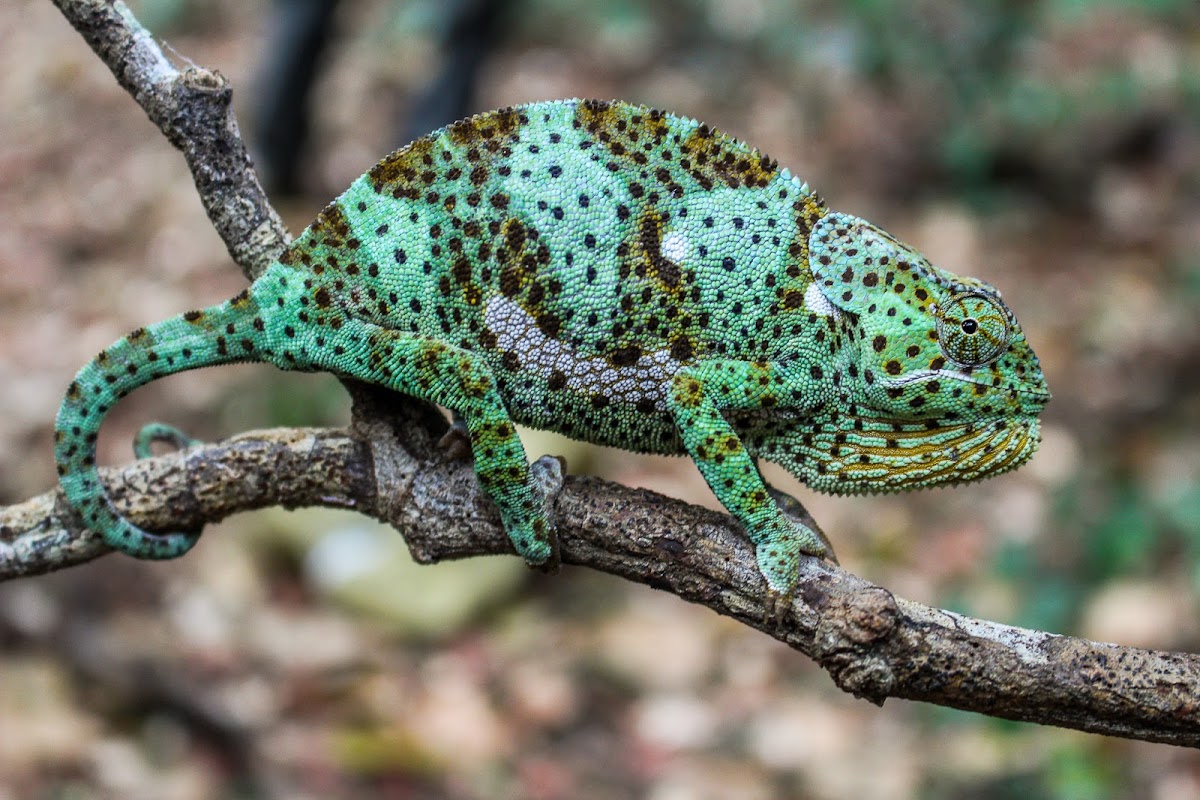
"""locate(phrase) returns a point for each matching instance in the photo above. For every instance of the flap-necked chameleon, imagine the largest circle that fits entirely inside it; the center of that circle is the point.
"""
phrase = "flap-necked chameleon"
(627, 277)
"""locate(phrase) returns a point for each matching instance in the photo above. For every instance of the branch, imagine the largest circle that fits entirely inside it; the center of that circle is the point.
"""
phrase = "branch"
(388, 466)
(193, 108)
(873, 644)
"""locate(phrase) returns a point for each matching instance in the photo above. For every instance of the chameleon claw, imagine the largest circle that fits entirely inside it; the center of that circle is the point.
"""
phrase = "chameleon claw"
(456, 442)
(776, 606)
(549, 473)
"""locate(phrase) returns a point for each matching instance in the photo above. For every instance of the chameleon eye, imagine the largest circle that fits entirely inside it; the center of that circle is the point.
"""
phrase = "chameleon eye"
(972, 328)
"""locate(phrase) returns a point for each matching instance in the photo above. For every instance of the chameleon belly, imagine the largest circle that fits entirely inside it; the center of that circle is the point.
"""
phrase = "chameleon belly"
(626, 277)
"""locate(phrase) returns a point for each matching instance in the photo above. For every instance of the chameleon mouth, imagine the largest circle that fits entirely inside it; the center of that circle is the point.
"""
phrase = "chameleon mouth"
(953, 374)
(879, 455)
(1038, 396)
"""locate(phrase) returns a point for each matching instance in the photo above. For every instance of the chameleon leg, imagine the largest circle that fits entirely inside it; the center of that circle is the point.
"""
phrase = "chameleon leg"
(461, 381)
(696, 398)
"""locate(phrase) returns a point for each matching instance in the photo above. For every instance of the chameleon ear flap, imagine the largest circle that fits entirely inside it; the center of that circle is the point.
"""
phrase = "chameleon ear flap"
(854, 263)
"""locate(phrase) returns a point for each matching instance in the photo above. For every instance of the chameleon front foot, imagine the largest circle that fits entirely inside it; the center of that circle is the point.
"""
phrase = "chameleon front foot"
(778, 553)
(796, 513)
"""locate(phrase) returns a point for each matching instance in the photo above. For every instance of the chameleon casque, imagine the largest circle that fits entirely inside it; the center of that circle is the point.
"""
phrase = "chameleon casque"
(626, 277)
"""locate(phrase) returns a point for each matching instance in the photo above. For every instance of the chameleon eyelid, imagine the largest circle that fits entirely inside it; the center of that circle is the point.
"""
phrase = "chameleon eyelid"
(979, 347)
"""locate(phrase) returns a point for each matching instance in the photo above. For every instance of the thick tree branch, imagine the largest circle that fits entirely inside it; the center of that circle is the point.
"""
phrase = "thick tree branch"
(193, 108)
(874, 644)
(388, 466)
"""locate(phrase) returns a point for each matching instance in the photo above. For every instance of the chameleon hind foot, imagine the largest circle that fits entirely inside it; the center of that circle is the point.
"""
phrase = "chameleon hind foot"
(548, 474)
(163, 433)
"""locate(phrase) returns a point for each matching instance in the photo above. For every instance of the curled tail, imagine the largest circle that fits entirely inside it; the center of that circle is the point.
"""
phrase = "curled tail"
(222, 334)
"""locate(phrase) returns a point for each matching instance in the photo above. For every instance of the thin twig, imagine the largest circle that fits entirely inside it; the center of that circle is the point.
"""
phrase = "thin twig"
(193, 108)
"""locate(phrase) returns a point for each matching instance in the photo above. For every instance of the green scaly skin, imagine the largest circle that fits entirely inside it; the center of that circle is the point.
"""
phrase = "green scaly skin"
(625, 277)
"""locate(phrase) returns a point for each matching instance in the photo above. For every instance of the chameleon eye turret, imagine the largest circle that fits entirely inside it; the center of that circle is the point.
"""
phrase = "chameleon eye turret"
(626, 277)
(973, 329)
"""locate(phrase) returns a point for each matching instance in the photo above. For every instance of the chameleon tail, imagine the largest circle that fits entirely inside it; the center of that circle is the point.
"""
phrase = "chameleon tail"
(225, 333)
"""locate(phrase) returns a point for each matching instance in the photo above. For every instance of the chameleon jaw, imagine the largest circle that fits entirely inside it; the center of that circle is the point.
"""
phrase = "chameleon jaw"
(1039, 396)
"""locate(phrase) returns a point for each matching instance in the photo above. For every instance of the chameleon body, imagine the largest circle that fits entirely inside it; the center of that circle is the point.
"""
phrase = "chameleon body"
(626, 277)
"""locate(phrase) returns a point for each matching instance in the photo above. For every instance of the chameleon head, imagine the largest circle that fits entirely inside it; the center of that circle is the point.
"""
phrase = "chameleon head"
(943, 387)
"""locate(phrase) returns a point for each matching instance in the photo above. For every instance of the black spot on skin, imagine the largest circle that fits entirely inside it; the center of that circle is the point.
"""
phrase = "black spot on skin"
(682, 349)
(879, 343)
(626, 356)
(557, 380)
(550, 324)
(893, 368)
(510, 282)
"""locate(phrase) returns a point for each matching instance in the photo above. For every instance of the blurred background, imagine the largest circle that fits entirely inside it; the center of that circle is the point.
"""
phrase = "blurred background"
(1047, 146)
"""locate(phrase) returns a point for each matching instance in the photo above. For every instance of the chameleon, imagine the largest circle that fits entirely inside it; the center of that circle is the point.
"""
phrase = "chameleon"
(626, 277)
